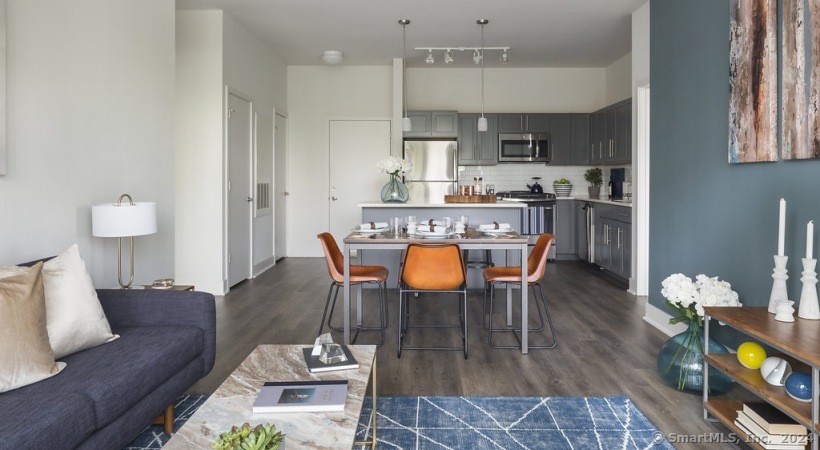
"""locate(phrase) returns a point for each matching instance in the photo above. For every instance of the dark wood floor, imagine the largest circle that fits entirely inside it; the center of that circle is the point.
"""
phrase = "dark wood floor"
(604, 346)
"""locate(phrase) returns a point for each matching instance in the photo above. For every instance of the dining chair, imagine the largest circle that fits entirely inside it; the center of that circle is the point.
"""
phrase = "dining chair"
(358, 275)
(432, 268)
(536, 264)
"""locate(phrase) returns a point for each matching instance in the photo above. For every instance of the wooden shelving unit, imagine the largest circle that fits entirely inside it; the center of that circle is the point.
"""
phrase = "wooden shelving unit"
(800, 343)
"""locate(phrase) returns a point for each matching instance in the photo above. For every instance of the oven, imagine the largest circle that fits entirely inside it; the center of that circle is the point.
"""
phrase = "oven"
(538, 217)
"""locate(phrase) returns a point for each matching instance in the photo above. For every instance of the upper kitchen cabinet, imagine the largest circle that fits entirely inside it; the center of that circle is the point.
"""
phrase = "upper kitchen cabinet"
(433, 124)
(569, 139)
(517, 123)
(477, 148)
(611, 134)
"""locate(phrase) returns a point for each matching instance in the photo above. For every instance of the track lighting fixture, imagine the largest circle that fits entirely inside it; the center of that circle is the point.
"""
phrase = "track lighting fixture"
(476, 56)
(505, 58)
(430, 59)
(448, 57)
(478, 53)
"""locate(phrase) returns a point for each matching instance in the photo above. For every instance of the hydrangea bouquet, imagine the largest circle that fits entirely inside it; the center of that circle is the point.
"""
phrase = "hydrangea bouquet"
(393, 165)
(687, 299)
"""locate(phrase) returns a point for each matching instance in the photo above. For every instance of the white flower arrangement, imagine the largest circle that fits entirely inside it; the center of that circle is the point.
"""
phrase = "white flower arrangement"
(393, 165)
(688, 298)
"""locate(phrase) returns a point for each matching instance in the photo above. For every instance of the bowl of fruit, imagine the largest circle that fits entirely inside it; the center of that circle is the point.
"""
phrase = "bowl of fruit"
(562, 187)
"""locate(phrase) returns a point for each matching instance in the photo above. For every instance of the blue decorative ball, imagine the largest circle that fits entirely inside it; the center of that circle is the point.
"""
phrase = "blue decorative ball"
(798, 386)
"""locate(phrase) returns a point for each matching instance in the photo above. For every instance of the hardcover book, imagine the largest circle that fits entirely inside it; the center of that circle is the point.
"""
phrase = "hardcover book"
(315, 364)
(794, 440)
(301, 396)
(772, 419)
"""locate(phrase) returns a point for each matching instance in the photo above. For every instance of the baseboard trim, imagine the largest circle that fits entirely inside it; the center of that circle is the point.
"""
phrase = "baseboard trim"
(659, 319)
(261, 267)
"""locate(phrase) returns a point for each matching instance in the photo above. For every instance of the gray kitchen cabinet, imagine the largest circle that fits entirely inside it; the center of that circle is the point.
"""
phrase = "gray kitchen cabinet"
(433, 124)
(580, 145)
(611, 134)
(477, 148)
(596, 133)
(623, 140)
(581, 241)
(613, 246)
(517, 123)
(564, 229)
(560, 139)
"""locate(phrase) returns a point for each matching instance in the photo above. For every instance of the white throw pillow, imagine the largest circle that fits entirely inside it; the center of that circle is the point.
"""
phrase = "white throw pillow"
(25, 354)
(75, 318)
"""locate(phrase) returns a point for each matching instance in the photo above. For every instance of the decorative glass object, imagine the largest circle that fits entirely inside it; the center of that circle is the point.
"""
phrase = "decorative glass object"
(680, 362)
(332, 354)
(395, 191)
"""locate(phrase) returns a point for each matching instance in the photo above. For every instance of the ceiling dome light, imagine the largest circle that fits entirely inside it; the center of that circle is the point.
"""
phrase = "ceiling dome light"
(332, 57)
(430, 59)
(448, 57)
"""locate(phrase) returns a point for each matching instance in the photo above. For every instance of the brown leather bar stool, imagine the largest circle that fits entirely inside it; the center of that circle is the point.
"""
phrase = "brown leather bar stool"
(358, 275)
(432, 268)
(536, 263)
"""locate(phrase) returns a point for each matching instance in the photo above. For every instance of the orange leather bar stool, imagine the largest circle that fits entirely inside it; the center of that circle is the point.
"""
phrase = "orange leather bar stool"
(536, 263)
(358, 275)
(432, 268)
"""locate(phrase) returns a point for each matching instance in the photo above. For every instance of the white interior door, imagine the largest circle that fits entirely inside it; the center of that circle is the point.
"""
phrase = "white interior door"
(280, 194)
(240, 200)
(355, 147)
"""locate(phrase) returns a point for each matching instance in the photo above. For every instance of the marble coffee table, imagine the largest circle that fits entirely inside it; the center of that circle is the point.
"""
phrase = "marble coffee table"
(231, 404)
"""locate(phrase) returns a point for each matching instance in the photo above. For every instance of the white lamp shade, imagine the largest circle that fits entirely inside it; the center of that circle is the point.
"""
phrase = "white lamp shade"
(110, 220)
(406, 124)
(482, 124)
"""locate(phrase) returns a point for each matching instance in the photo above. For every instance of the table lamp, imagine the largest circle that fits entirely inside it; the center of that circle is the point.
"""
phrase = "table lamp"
(121, 220)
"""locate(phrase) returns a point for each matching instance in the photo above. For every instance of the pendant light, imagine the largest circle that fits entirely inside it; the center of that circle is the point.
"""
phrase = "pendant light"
(482, 121)
(406, 125)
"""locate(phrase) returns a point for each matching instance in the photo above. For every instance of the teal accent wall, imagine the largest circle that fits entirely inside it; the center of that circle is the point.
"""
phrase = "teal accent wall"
(706, 215)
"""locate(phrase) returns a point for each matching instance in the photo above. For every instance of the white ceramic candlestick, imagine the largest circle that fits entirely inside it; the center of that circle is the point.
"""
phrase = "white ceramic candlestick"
(809, 308)
(779, 285)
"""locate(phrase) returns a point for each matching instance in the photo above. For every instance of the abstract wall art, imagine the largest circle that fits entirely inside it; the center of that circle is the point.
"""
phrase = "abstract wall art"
(753, 81)
(801, 79)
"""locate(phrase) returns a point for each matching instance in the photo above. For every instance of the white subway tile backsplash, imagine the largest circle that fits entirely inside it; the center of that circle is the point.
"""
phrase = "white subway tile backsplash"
(515, 177)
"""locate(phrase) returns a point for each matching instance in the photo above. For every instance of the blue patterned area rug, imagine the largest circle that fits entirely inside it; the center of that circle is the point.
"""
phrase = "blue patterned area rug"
(511, 423)
(478, 423)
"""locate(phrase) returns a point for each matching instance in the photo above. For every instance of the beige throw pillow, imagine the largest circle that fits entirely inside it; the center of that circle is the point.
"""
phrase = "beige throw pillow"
(25, 354)
(75, 318)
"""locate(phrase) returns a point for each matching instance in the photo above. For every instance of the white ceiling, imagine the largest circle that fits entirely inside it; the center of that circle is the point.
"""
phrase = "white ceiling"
(541, 33)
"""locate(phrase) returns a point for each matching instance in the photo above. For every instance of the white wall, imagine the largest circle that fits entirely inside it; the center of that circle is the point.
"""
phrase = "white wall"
(317, 94)
(507, 90)
(639, 283)
(214, 51)
(90, 116)
(619, 80)
(199, 124)
(253, 69)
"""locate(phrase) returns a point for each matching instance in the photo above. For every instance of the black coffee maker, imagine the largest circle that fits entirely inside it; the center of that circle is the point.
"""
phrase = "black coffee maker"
(616, 183)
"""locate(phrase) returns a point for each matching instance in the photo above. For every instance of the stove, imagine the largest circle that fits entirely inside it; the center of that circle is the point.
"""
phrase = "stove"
(525, 196)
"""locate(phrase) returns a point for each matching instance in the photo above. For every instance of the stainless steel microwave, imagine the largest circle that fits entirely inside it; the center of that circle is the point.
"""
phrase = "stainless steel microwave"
(523, 147)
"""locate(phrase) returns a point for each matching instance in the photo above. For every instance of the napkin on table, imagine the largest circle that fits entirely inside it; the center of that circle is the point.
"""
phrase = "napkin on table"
(434, 229)
(495, 226)
(373, 226)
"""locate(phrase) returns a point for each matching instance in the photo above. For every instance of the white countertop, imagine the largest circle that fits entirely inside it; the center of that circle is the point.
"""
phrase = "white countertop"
(499, 204)
(595, 200)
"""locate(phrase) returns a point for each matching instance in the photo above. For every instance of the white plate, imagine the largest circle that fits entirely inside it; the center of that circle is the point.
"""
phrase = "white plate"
(376, 231)
(431, 235)
(497, 232)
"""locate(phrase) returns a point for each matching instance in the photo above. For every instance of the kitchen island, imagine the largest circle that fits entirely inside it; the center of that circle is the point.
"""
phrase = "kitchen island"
(477, 213)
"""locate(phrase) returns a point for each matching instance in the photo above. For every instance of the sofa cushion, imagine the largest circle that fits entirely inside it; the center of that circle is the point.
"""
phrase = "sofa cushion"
(25, 354)
(117, 375)
(46, 420)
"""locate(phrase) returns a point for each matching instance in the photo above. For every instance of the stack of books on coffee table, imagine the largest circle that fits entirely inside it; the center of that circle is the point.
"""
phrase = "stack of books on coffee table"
(770, 428)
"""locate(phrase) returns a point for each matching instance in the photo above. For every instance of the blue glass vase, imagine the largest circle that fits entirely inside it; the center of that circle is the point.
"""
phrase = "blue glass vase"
(395, 191)
(680, 362)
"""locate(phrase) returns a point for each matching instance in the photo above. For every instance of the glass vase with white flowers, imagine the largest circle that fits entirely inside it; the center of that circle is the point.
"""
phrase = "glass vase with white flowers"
(680, 361)
(394, 191)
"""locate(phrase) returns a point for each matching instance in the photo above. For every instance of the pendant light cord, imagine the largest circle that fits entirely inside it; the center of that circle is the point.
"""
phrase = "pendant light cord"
(404, 64)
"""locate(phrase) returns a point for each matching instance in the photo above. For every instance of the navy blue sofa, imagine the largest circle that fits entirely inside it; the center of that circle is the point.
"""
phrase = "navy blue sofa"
(107, 394)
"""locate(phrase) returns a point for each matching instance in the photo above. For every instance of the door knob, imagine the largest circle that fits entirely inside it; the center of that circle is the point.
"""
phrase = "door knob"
(250, 199)
(334, 198)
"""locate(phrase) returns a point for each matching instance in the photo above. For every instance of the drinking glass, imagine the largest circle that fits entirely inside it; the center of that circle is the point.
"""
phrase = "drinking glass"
(463, 220)
(395, 225)
(448, 222)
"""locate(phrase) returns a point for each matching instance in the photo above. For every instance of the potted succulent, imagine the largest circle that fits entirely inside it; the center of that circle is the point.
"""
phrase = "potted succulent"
(562, 187)
(595, 178)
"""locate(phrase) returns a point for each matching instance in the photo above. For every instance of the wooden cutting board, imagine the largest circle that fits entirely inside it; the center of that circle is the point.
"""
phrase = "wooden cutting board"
(469, 199)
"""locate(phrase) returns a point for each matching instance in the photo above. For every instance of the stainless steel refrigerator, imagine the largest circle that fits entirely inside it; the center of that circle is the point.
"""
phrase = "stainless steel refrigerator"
(434, 172)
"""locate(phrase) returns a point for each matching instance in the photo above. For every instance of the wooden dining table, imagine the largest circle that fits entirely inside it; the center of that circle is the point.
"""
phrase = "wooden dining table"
(471, 240)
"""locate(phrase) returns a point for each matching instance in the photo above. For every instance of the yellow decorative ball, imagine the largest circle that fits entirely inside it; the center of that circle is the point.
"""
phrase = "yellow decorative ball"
(751, 355)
